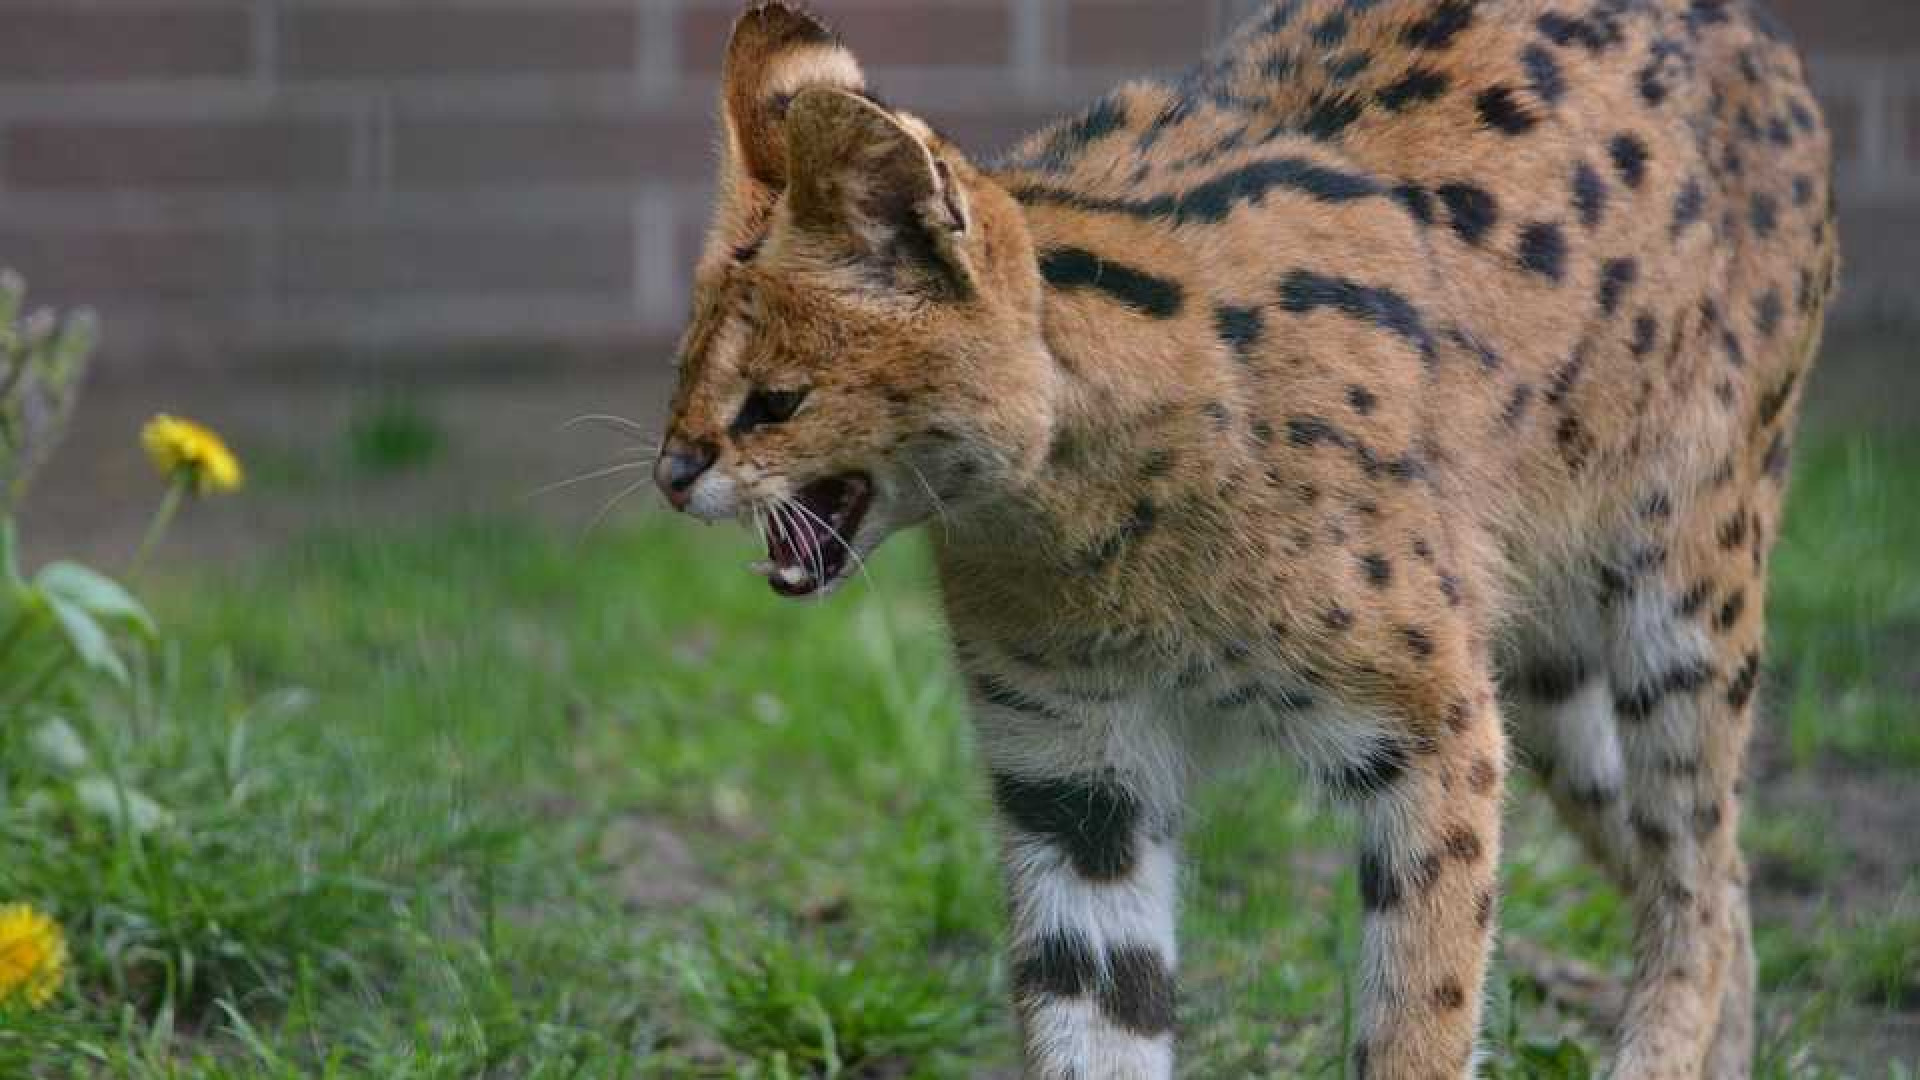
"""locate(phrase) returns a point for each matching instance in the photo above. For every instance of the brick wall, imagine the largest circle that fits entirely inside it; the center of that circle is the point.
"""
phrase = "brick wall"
(234, 181)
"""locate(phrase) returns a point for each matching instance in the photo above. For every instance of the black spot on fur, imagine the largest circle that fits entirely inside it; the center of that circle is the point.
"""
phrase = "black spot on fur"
(1463, 844)
(1379, 891)
(1378, 569)
(1138, 524)
(1307, 432)
(1502, 110)
(1543, 250)
(1776, 399)
(1694, 599)
(1377, 770)
(1651, 834)
(1417, 86)
(1239, 327)
(1438, 28)
(1736, 353)
(1212, 201)
(1057, 965)
(1778, 456)
(1629, 153)
(1330, 116)
(1139, 993)
(1092, 819)
(1567, 376)
(1730, 611)
(1589, 194)
(1362, 399)
(1733, 532)
(1687, 205)
(1593, 34)
(1349, 66)
(1639, 703)
(1337, 618)
(1740, 688)
(1576, 445)
(1418, 642)
(1552, 682)
(1767, 312)
(1543, 74)
(1077, 268)
(1472, 210)
(1304, 291)
(1645, 332)
(1417, 200)
(1616, 277)
(1331, 30)
(1764, 213)
(1516, 407)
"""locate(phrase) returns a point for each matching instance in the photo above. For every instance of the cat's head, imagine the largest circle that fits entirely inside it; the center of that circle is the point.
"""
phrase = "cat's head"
(864, 350)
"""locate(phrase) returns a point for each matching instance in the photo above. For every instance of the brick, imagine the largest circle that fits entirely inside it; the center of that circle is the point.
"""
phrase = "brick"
(932, 34)
(479, 258)
(985, 134)
(1910, 112)
(1879, 242)
(455, 41)
(1134, 34)
(1843, 113)
(119, 45)
(552, 149)
(1868, 26)
(212, 154)
(97, 264)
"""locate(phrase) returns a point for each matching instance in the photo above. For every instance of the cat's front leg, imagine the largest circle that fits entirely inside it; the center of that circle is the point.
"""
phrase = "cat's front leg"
(1089, 857)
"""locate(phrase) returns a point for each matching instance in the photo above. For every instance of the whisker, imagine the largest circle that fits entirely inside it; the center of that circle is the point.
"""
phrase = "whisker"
(617, 423)
(598, 474)
(939, 504)
(607, 507)
(835, 533)
(799, 541)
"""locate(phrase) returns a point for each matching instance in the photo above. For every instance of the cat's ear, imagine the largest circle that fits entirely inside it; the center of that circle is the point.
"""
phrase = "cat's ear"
(776, 52)
(869, 183)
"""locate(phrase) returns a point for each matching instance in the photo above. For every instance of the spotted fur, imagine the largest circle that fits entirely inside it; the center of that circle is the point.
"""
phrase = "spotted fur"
(1408, 372)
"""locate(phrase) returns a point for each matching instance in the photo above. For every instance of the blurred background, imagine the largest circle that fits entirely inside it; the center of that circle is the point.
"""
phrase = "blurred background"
(441, 773)
(285, 204)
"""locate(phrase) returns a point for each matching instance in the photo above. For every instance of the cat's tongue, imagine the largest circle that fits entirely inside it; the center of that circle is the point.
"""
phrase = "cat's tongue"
(808, 536)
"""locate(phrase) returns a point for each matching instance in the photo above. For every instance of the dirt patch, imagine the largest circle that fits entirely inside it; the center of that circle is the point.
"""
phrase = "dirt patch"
(654, 866)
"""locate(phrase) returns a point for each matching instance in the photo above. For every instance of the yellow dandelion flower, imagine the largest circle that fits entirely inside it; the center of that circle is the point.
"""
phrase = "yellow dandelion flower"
(186, 452)
(33, 955)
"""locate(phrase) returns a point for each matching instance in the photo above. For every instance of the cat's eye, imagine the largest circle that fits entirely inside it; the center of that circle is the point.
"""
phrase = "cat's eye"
(765, 407)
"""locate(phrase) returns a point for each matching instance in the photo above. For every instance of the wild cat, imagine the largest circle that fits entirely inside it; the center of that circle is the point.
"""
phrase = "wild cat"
(1409, 377)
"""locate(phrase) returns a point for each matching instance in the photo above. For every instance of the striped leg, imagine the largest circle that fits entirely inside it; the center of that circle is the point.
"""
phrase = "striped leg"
(1090, 866)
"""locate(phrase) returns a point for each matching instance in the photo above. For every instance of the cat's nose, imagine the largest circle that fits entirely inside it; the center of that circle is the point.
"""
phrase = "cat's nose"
(681, 465)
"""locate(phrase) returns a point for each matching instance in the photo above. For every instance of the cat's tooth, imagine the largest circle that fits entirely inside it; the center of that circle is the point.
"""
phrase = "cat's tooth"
(792, 575)
(762, 567)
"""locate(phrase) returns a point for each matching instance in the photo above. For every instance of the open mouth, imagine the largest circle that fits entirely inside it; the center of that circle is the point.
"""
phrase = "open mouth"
(807, 540)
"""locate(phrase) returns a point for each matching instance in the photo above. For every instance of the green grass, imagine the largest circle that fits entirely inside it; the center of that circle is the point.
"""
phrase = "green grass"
(480, 800)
